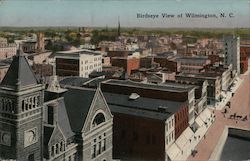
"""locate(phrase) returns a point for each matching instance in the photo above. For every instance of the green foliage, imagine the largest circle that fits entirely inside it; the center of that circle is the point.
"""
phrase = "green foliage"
(98, 36)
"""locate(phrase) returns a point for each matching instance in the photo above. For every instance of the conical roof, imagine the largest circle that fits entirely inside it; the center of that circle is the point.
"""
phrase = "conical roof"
(19, 74)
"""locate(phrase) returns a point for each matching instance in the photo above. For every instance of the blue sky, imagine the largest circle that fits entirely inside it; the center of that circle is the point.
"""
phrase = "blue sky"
(106, 12)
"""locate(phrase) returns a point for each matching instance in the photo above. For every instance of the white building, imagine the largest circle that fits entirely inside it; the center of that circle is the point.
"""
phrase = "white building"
(78, 62)
(232, 52)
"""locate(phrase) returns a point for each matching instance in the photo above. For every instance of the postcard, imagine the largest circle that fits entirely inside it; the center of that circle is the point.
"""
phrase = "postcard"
(124, 80)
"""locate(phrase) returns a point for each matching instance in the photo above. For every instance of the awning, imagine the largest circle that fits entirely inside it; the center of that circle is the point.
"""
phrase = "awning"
(173, 151)
(203, 116)
(181, 141)
(207, 113)
(188, 133)
(199, 121)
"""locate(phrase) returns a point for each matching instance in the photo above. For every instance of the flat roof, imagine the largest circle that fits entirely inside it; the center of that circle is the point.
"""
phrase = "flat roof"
(142, 106)
(202, 76)
(79, 52)
(146, 85)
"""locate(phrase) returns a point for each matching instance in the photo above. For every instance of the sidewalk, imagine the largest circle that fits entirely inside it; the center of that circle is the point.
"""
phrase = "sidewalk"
(188, 140)
(207, 146)
(220, 105)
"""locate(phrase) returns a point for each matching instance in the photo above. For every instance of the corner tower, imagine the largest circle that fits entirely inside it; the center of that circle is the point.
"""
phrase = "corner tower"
(21, 101)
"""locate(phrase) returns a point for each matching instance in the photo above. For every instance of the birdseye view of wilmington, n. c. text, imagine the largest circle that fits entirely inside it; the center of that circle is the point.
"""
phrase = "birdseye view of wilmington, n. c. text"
(116, 80)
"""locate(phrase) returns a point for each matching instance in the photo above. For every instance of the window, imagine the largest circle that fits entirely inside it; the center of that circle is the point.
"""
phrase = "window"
(22, 105)
(50, 115)
(94, 151)
(99, 118)
(57, 149)
(99, 148)
(52, 151)
(34, 102)
(104, 144)
(61, 146)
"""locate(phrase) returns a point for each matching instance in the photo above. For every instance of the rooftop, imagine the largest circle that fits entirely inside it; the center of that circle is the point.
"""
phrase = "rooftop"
(147, 85)
(79, 52)
(199, 76)
(141, 106)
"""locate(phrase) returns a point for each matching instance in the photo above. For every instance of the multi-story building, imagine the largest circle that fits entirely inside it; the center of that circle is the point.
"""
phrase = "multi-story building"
(3, 40)
(7, 50)
(39, 58)
(214, 86)
(139, 111)
(78, 62)
(128, 64)
(232, 52)
(244, 56)
(53, 124)
(192, 64)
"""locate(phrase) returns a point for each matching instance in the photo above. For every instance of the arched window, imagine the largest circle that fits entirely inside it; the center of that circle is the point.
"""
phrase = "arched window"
(52, 151)
(99, 118)
(57, 148)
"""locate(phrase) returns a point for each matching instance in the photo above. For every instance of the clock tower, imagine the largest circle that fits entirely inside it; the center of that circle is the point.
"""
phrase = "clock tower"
(21, 101)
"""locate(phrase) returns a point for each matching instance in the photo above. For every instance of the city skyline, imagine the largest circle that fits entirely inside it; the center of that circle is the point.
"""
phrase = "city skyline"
(99, 13)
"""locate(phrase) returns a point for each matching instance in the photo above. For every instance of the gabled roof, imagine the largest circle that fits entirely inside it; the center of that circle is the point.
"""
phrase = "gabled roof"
(20, 74)
(78, 102)
(63, 120)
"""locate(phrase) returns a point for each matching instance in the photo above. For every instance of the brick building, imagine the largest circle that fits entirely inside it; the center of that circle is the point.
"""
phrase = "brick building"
(119, 53)
(128, 64)
(146, 122)
(171, 64)
(43, 69)
(244, 55)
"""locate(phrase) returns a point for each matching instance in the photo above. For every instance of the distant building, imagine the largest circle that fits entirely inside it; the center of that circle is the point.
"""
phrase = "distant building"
(128, 64)
(43, 69)
(7, 50)
(3, 70)
(195, 64)
(40, 42)
(78, 62)
(244, 56)
(214, 86)
(3, 40)
(39, 58)
(232, 52)
(29, 46)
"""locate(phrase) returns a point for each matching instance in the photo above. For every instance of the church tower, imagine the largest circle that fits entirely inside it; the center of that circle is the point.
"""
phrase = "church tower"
(119, 27)
(21, 101)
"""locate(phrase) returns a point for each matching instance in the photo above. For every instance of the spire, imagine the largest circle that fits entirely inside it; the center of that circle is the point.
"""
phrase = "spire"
(19, 74)
(119, 27)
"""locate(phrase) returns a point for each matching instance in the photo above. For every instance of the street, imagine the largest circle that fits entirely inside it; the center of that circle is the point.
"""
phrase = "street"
(240, 106)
